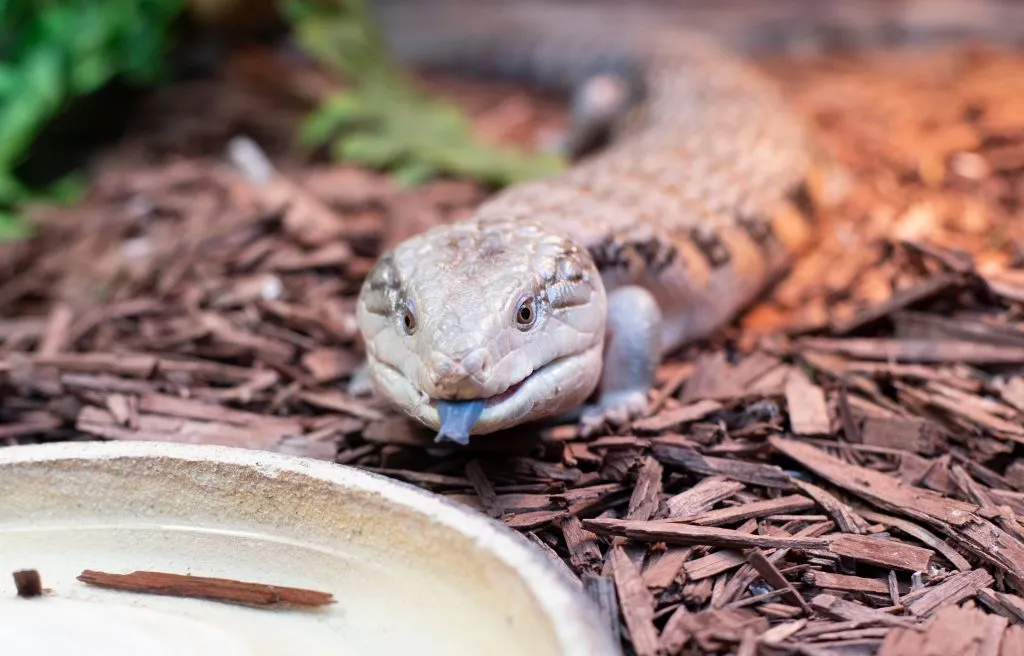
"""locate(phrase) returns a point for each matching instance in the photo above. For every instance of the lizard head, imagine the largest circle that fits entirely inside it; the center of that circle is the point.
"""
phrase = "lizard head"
(478, 326)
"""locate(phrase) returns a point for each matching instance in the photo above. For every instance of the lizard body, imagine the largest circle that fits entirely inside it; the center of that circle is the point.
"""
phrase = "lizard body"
(583, 281)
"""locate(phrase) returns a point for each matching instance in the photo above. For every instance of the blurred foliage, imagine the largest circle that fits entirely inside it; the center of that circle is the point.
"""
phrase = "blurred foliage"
(55, 51)
(52, 52)
(381, 121)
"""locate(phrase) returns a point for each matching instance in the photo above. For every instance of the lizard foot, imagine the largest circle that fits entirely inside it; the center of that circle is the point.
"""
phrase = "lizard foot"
(614, 409)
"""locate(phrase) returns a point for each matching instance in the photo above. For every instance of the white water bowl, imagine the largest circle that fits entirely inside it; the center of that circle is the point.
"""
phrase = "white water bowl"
(411, 572)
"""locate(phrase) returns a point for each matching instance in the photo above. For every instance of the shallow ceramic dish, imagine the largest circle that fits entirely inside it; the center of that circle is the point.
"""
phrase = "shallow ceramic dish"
(411, 573)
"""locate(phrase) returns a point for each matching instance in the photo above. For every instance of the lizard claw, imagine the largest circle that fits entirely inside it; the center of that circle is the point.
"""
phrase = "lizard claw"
(614, 409)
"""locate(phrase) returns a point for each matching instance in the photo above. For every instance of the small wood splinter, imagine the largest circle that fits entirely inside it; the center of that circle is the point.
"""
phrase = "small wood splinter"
(203, 587)
(28, 583)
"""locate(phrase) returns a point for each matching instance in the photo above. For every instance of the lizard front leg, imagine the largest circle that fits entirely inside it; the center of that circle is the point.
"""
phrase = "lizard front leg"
(632, 356)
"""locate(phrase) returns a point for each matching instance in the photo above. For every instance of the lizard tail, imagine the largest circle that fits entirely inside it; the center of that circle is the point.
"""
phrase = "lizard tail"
(710, 183)
(588, 48)
(492, 36)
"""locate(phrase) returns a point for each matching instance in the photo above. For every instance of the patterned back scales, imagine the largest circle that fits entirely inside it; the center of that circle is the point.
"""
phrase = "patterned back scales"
(701, 195)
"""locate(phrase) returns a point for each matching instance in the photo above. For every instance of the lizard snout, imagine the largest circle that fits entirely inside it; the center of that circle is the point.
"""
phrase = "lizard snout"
(460, 376)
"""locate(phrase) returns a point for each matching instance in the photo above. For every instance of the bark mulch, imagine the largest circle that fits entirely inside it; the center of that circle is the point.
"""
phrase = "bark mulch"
(838, 473)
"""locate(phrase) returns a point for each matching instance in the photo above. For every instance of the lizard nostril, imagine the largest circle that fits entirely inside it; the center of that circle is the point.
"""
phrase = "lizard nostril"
(442, 367)
(477, 364)
(452, 375)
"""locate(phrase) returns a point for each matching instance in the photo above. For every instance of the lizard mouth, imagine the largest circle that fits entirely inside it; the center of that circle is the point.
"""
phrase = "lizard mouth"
(501, 397)
(458, 418)
(552, 388)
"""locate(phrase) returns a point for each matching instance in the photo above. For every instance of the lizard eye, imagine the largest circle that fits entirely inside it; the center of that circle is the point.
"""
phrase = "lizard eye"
(526, 313)
(409, 318)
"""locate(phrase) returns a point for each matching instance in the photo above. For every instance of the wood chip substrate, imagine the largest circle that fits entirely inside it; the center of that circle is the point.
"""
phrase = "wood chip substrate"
(839, 472)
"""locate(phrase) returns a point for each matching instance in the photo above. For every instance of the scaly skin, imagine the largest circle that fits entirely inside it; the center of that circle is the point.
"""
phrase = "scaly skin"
(702, 200)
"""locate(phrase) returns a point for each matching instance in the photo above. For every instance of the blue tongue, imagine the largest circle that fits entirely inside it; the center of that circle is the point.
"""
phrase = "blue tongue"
(457, 419)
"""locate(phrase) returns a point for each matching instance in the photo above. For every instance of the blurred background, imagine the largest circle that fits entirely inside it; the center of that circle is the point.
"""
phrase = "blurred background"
(73, 74)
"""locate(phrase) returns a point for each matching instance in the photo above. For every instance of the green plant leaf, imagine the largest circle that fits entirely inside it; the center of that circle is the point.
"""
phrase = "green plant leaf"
(13, 227)
(44, 77)
(53, 52)
(333, 114)
(371, 150)
(381, 121)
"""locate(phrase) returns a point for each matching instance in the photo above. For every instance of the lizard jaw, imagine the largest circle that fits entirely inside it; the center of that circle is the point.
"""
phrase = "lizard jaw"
(552, 389)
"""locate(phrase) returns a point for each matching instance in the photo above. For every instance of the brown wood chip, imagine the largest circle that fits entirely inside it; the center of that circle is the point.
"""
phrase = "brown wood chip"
(847, 583)
(845, 517)
(637, 604)
(673, 533)
(701, 497)
(677, 416)
(646, 492)
(904, 433)
(663, 568)
(28, 583)
(808, 409)
(584, 552)
(735, 514)
(774, 577)
(882, 552)
(917, 350)
(848, 610)
(745, 472)
(484, 490)
(919, 533)
(1008, 605)
(876, 487)
(215, 589)
(955, 589)
(713, 564)
(675, 636)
